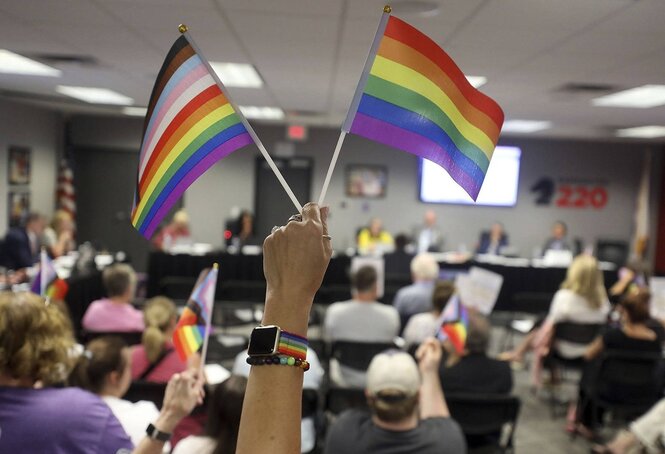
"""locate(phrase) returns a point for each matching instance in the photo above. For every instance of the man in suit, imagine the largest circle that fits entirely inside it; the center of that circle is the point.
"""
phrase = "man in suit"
(22, 244)
(558, 240)
(429, 237)
(493, 241)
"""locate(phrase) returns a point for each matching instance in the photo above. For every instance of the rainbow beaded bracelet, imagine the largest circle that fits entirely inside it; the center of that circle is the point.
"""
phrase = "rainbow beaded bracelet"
(278, 360)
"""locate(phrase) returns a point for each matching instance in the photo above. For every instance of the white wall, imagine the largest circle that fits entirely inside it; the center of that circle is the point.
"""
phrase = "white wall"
(231, 183)
(41, 131)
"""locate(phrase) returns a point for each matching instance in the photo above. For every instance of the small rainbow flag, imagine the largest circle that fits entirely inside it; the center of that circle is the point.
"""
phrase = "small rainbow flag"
(413, 97)
(46, 282)
(194, 323)
(189, 126)
(454, 324)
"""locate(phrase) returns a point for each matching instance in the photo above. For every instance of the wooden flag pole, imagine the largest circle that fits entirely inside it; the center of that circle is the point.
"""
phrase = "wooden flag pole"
(331, 167)
(183, 29)
(204, 349)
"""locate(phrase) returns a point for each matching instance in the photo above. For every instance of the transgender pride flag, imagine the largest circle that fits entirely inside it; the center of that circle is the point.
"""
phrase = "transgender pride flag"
(46, 282)
(190, 125)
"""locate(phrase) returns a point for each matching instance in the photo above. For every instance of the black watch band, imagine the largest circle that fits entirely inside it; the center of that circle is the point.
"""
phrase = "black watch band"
(156, 434)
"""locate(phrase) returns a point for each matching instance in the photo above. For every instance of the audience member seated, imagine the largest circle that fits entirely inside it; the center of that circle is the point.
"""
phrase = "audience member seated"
(36, 341)
(373, 240)
(104, 368)
(22, 244)
(312, 380)
(408, 409)
(429, 237)
(645, 434)
(473, 371)
(558, 240)
(177, 231)
(397, 264)
(581, 299)
(631, 276)
(58, 238)
(493, 241)
(221, 430)
(115, 313)
(424, 325)
(633, 335)
(361, 319)
(156, 360)
(243, 233)
(417, 297)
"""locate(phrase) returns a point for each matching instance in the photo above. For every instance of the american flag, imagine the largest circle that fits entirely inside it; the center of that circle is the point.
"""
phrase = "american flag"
(66, 194)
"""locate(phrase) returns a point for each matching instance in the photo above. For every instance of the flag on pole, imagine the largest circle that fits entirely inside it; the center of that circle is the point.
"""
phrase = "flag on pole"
(413, 97)
(454, 323)
(65, 192)
(189, 126)
(46, 282)
(193, 327)
(641, 227)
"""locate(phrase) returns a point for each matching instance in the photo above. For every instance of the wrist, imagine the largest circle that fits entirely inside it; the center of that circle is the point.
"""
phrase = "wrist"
(167, 420)
(289, 313)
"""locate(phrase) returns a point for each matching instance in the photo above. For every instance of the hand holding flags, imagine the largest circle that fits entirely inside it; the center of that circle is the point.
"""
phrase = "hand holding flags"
(193, 328)
(454, 324)
(46, 282)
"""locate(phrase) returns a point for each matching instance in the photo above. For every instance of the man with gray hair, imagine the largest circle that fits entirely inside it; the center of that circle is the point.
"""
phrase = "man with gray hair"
(408, 411)
(417, 297)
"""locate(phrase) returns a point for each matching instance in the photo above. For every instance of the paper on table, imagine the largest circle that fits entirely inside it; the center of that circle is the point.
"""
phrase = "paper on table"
(479, 289)
(377, 264)
(657, 287)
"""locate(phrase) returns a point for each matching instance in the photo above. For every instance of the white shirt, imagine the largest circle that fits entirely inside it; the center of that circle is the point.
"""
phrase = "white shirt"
(133, 416)
(195, 444)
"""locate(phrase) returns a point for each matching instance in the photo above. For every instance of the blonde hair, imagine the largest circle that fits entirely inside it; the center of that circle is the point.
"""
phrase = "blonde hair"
(157, 314)
(35, 339)
(425, 267)
(59, 218)
(585, 279)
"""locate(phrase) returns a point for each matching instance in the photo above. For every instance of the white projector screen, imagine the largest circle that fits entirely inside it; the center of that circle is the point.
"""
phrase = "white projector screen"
(499, 188)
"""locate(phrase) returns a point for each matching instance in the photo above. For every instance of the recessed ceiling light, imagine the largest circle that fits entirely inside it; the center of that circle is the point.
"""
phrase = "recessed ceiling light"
(640, 97)
(95, 95)
(237, 74)
(644, 132)
(135, 111)
(262, 113)
(476, 81)
(525, 126)
(12, 63)
(416, 7)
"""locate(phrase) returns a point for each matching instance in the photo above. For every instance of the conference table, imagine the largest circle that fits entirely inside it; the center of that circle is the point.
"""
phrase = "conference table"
(241, 277)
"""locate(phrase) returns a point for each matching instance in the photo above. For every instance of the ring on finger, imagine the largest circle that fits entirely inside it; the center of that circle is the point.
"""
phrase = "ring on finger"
(295, 217)
(275, 228)
(327, 237)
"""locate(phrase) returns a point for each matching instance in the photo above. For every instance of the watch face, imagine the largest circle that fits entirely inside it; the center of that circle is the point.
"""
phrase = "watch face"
(263, 341)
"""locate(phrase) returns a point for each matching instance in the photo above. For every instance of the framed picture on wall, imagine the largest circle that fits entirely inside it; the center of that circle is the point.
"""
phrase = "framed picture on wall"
(19, 165)
(19, 207)
(367, 181)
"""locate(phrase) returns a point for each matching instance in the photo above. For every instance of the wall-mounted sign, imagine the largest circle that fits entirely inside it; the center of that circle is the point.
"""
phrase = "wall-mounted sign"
(571, 193)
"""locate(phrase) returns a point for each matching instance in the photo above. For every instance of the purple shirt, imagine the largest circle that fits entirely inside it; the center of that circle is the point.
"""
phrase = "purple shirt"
(106, 315)
(60, 421)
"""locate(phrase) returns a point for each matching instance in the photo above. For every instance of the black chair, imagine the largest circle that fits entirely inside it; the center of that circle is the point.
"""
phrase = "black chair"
(340, 399)
(224, 347)
(232, 290)
(130, 338)
(145, 390)
(527, 307)
(625, 383)
(310, 409)
(614, 251)
(581, 334)
(488, 421)
(357, 355)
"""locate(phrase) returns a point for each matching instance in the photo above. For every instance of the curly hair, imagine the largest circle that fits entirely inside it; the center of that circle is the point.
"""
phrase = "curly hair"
(35, 339)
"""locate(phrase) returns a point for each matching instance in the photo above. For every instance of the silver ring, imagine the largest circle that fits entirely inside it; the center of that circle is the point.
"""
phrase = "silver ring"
(295, 217)
(327, 237)
(275, 228)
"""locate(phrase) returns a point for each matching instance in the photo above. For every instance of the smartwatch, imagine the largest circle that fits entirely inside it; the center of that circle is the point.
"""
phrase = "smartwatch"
(156, 434)
(272, 340)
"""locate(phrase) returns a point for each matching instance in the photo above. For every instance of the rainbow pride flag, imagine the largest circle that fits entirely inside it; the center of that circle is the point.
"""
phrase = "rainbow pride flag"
(47, 283)
(189, 126)
(413, 97)
(454, 324)
(194, 323)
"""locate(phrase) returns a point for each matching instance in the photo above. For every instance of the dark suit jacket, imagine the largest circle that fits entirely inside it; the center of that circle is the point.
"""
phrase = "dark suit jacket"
(398, 264)
(476, 373)
(16, 252)
(551, 244)
(484, 244)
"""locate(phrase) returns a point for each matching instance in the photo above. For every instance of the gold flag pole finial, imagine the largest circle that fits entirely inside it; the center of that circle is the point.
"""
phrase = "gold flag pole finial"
(182, 28)
(215, 266)
(387, 9)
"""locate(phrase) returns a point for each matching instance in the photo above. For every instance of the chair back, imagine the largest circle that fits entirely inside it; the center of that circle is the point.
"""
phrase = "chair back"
(340, 399)
(310, 402)
(486, 415)
(358, 355)
(130, 338)
(145, 390)
(577, 333)
(629, 377)
(614, 251)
